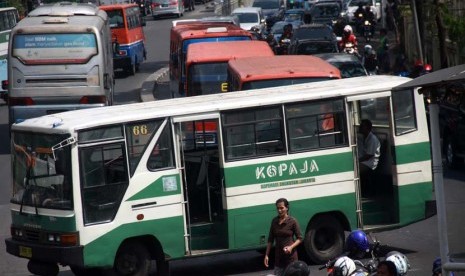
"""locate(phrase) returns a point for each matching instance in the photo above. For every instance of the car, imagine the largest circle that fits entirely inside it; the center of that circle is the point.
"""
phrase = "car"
(295, 15)
(314, 31)
(270, 8)
(250, 17)
(311, 39)
(325, 12)
(167, 7)
(312, 47)
(452, 125)
(349, 65)
(352, 6)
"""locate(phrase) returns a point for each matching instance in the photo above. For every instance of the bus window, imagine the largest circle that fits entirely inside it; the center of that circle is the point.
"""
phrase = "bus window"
(316, 125)
(253, 133)
(375, 109)
(404, 112)
(162, 155)
(104, 181)
(138, 136)
(116, 18)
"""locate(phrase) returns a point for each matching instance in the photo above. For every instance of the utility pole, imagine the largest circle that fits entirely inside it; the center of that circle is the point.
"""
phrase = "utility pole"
(417, 30)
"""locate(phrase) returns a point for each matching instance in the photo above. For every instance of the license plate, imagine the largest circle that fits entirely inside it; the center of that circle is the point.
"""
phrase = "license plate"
(164, 5)
(25, 251)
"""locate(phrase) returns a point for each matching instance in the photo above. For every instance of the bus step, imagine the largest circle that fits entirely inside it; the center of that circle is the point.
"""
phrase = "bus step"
(377, 217)
(207, 242)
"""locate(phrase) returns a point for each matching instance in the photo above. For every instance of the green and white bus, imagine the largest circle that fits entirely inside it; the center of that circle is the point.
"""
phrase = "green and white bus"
(116, 187)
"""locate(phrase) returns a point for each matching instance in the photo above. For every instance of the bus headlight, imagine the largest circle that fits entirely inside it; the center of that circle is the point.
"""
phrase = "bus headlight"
(93, 78)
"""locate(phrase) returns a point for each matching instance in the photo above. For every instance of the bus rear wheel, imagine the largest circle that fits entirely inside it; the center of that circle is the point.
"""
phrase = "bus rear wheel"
(132, 259)
(324, 239)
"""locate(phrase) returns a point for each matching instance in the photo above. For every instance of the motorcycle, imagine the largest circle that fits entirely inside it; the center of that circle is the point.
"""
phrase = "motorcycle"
(283, 47)
(350, 48)
(367, 30)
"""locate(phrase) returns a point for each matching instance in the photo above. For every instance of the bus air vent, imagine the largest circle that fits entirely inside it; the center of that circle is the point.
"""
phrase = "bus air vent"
(55, 20)
(217, 30)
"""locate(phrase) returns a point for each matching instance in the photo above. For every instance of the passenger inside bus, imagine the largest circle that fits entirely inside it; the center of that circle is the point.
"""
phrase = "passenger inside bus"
(369, 153)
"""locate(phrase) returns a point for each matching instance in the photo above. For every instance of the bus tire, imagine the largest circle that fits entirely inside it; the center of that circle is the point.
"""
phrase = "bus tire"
(133, 259)
(324, 239)
(131, 69)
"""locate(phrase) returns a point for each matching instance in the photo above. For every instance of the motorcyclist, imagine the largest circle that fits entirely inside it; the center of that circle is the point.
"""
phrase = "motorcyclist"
(359, 17)
(287, 32)
(348, 37)
(282, 43)
(370, 62)
(370, 17)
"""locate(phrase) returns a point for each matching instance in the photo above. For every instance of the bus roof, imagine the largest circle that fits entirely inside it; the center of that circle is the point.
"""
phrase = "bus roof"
(117, 6)
(65, 9)
(205, 52)
(285, 66)
(60, 24)
(68, 122)
(209, 30)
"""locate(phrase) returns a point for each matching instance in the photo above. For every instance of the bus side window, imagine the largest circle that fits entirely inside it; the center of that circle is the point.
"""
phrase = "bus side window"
(161, 156)
(139, 135)
(316, 125)
(104, 179)
(404, 112)
(253, 132)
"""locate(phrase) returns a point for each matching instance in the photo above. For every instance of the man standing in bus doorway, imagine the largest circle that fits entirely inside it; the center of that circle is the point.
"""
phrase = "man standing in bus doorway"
(369, 154)
(283, 230)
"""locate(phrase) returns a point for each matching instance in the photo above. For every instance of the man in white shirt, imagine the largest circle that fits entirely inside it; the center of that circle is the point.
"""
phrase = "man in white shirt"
(369, 152)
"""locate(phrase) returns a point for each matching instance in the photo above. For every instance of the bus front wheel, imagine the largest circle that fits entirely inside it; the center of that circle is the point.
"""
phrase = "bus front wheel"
(324, 239)
(132, 259)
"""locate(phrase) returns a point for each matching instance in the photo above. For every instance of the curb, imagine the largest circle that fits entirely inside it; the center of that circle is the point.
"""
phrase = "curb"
(150, 83)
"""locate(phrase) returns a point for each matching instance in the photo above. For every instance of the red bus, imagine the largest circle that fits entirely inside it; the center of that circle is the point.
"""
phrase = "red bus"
(126, 30)
(183, 35)
(207, 63)
(261, 72)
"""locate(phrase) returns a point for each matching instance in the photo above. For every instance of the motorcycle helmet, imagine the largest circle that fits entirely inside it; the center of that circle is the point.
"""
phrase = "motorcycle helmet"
(344, 266)
(357, 242)
(400, 260)
(437, 268)
(347, 30)
(368, 49)
(297, 268)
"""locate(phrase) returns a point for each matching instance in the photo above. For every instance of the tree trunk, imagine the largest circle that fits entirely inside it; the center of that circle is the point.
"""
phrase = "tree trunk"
(441, 35)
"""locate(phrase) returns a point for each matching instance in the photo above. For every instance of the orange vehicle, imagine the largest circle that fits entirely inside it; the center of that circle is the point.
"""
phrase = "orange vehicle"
(184, 35)
(261, 72)
(207, 63)
(126, 30)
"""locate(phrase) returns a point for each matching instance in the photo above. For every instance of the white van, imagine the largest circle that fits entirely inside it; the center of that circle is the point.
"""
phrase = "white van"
(167, 7)
(250, 17)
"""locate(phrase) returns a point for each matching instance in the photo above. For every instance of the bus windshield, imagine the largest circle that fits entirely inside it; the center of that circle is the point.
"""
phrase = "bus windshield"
(278, 82)
(41, 177)
(75, 48)
(208, 78)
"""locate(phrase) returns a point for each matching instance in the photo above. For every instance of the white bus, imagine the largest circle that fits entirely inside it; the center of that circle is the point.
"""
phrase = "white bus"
(60, 58)
(115, 187)
(8, 19)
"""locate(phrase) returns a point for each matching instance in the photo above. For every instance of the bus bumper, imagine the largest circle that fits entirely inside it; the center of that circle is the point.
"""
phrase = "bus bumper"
(121, 62)
(69, 255)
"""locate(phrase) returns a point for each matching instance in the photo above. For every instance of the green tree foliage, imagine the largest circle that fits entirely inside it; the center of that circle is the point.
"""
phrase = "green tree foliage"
(18, 4)
(455, 25)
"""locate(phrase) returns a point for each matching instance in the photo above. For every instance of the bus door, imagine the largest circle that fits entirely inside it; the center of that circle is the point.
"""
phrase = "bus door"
(376, 200)
(202, 172)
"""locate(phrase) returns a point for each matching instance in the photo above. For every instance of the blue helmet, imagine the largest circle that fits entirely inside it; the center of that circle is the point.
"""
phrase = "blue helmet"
(437, 268)
(357, 242)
